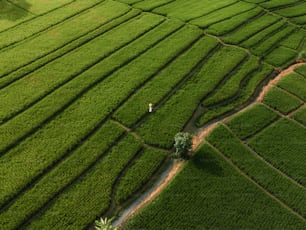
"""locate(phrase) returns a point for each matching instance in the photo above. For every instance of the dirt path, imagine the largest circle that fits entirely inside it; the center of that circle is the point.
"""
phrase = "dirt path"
(197, 140)
(276, 80)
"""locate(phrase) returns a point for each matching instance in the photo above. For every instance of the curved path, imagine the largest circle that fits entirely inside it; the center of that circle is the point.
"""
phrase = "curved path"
(197, 140)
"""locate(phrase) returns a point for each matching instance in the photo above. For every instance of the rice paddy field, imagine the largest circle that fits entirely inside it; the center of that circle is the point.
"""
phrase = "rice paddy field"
(77, 141)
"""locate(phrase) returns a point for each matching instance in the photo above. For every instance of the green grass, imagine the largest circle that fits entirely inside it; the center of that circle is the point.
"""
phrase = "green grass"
(281, 56)
(61, 176)
(46, 79)
(222, 14)
(193, 8)
(213, 195)
(300, 115)
(62, 97)
(283, 144)
(137, 105)
(301, 70)
(268, 44)
(295, 84)
(56, 37)
(251, 29)
(159, 128)
(281, 101)
(93, 106)
(269, 178)
(92, 192)
(139, 173)
(236, 101)
(277, 3)
(77, 141)
(234, 84)
(230, 24)
(35, 8)
(252, 120)
(43, 22)
(11, 15)
(294, 40)
(150, 5)
(292, 11)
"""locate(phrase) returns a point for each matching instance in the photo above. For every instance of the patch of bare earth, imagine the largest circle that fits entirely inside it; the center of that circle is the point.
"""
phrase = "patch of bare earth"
(276, 80)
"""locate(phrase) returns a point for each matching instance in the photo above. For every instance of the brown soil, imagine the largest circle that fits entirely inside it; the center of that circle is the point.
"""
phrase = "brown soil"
(197, 141)
(276, 80)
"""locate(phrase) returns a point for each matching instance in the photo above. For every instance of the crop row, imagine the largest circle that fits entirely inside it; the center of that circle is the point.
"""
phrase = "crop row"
(281, 101)
(92, 192)
(272, 4)
(222, 14)
(301, 70)
(66, 48)
(295, 84)
(43, 23)
(54, 38)
(235, 22)
(250, 29)
(172, 116)
(233, 84)
(246, 91)
(15, 13)
(293, 11)
(300, 116)
(83, 115)
(252, 120)
(148, 5)
(265, 175)
(67, 67)
(191, 9)
(139, 173)
(54, 103)
(177, 72)
(39, 8)
(286, 155)
(60, 177)
(210, 193)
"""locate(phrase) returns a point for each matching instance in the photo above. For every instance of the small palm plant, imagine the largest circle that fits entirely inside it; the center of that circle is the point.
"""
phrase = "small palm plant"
(105, 224)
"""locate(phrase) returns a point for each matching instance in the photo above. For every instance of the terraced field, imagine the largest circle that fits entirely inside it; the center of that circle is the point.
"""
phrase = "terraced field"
(249, 173)
(76, 77)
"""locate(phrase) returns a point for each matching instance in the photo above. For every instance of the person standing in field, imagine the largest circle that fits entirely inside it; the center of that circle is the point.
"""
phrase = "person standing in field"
(150, 107)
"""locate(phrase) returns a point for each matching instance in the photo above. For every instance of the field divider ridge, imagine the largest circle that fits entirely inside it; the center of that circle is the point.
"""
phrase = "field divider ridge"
(77, 14)
(245, 175)
(265, 161)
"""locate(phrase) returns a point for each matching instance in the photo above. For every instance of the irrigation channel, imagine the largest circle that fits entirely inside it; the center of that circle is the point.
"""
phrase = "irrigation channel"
(175, 166)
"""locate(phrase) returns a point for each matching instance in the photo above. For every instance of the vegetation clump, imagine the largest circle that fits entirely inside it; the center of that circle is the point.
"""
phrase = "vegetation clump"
(183, 144)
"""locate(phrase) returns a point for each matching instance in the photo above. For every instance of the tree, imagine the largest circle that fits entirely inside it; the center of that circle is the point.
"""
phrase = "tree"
(183, 144)
(105, 224)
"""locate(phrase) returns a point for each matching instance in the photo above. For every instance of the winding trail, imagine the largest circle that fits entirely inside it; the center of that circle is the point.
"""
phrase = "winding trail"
(197, 141)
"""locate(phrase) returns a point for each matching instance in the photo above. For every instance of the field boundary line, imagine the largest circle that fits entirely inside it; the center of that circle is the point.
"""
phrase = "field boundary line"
(75, 15)
(20, 7)
(290, 94)
(268, 193)
(61, 51)
(274, 81)
(222, 7)
(98, 125)
(199, 108)
(285, 115)
(6, 74)
(80, 72)
(74, 181)
(33, 18)
(264, 160)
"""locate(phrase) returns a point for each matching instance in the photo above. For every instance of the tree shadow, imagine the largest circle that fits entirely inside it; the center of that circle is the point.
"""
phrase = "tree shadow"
(207, 162)
(14, 9)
